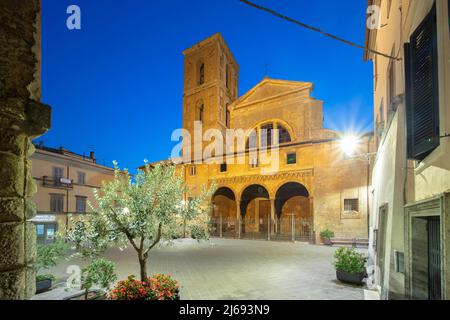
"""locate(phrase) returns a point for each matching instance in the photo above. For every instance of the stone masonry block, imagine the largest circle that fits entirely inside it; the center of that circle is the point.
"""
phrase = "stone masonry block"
(30, 243)
(11, 209)
(30, 283)
(30, 209)
(12, 142)
(11, 245)
(12, 284)
(12, 175)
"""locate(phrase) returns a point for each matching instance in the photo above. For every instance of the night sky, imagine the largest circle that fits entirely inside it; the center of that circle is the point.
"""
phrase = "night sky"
(115, 86)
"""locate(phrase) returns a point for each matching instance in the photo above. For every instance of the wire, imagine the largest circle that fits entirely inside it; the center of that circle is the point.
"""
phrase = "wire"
(281, 16)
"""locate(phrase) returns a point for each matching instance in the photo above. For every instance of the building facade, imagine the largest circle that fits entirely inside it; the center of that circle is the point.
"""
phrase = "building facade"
(288, 176)
(65, 184)
(410, 227)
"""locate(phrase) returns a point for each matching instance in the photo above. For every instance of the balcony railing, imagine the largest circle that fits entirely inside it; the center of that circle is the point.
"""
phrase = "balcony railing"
(53, 182)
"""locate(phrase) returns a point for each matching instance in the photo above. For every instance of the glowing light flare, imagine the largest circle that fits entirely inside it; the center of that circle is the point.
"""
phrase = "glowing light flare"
(349, 144)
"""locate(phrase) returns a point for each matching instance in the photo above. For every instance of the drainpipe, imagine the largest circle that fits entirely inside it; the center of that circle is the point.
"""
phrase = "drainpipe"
(67, 201)
(367, 188)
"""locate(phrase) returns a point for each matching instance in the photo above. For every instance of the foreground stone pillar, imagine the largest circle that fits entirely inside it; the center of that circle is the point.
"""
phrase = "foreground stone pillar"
(22, 118)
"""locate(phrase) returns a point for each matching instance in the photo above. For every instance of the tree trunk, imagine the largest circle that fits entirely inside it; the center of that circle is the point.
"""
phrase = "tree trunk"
(143, 266)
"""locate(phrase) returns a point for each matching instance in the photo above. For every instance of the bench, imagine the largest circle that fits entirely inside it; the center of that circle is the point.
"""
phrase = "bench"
(354, 242)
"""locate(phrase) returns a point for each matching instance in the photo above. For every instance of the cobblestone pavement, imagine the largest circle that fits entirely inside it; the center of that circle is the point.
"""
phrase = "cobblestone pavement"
(241, 269)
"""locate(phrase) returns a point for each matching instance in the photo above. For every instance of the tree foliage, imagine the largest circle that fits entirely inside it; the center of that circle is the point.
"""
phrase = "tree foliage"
(142, 211)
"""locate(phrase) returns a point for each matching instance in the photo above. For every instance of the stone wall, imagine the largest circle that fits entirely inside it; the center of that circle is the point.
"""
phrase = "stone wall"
(22, 118)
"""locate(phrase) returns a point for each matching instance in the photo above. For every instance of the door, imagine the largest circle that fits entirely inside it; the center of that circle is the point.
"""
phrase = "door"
(426, 258)
(264, 216)
(45, 233)
(434, 259)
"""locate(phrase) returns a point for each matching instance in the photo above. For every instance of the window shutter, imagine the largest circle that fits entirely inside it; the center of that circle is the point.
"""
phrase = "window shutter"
(422, 105)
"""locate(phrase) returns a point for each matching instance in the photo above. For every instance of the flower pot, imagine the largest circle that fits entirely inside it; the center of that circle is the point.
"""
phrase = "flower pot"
(43, 285)
(351, 278)
(327, 242)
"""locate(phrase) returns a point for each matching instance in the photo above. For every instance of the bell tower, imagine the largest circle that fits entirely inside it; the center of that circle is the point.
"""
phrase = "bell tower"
(210, 85)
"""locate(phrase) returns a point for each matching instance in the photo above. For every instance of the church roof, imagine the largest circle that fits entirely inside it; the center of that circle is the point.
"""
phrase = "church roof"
(271, 88)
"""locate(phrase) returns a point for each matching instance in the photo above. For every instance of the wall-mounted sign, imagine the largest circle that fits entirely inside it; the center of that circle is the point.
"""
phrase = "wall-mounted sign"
(65, 181)
(44, 218)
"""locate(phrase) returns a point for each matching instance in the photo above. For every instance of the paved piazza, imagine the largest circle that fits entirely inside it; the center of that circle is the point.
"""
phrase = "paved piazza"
(241, 269)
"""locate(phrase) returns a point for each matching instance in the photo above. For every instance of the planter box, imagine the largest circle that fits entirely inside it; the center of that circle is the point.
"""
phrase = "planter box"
(43, 285)
(351, 278)
(327, 242)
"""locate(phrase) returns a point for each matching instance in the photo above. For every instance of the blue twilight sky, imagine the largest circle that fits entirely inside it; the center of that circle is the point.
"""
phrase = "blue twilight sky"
(115, 86)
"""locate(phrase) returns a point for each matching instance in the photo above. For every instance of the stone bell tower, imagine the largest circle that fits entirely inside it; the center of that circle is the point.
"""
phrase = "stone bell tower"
(210, 86)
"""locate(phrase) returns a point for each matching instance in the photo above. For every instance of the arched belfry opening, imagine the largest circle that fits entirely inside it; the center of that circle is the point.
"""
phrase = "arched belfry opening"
(255, 211)
(224, 216)
(293, 212)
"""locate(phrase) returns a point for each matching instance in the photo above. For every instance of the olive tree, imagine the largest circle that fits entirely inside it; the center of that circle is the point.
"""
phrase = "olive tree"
(143, 211)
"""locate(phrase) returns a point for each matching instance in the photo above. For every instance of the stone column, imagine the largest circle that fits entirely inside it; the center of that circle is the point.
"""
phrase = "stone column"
(238, 218)
(273, 222)
(22, 118)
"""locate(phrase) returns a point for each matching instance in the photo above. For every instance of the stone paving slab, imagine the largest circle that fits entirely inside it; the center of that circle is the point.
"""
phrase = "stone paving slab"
(240, 269)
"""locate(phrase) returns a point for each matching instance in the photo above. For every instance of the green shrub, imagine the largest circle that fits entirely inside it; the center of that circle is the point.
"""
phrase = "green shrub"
(100, 272)
(327, 234)
(43, 277)
(198, 232)
(48, 256)
(349, 260)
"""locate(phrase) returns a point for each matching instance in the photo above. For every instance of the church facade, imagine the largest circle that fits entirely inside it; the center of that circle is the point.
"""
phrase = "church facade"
(312, 187)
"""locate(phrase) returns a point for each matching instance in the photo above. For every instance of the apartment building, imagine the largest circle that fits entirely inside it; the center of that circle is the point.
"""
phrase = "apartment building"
(410, 222)
(65, 184)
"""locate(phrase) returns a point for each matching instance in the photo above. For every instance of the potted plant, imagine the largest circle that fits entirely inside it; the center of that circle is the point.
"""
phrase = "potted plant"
(47, 257)
(157, 287)
(350, 266)
(326, 236)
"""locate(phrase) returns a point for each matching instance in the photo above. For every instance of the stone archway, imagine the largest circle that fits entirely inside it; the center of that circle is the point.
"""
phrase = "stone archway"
(224, 213)
(22, 118)
(294, 215)
(255, 210)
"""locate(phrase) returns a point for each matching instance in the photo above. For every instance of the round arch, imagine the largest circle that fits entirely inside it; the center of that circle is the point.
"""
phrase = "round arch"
(277, 122)
(226, 192)
(224, 211)
(288, 191)
(251, 193)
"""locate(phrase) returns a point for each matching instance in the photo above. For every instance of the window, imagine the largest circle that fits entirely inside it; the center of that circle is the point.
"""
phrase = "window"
(252, 141)
(201, 74)
(227, 117)
(57, 203)
(422, 92)
(391, 85)
(40, 230)
(254, 162)
(81, 178)
(351, 205)
(291, 158)
(58, 173)
(227, 76)
(193, 170)
(81, 204)
(223, 167)
(284, 136)
(201, 110)
(266, 132)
